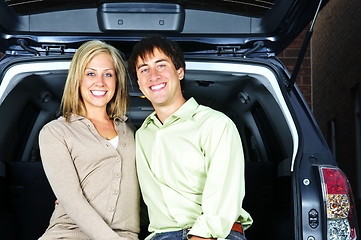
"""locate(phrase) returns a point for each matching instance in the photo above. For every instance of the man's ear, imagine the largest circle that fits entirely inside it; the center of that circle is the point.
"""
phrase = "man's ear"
(180, 73)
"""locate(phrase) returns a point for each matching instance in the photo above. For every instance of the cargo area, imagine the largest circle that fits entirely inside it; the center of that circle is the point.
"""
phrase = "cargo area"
(247, 93)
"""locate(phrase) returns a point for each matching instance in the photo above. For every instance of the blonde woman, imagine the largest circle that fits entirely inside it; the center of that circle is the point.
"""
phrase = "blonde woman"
(89, 154)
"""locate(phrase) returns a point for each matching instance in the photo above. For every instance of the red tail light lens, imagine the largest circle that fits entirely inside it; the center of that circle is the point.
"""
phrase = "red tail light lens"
(339, 205)
(336, 183)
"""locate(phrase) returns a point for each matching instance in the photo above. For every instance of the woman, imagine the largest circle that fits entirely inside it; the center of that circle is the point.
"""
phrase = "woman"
(89, 154)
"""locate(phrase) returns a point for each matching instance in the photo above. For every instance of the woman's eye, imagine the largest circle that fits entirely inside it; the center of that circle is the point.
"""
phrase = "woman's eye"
(108, 75)
(90, 74)
(144, 70)
(161, 65)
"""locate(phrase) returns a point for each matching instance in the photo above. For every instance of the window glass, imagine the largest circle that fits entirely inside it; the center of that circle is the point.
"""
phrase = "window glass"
(332, 126)
(357, 101)
(20, 132)
(270, 142)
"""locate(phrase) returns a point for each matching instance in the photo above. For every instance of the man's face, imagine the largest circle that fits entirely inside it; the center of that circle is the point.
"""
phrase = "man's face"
(158, 79)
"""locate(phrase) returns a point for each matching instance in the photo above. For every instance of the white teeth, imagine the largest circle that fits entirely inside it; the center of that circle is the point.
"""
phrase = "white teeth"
(98, 93)
(157, 86)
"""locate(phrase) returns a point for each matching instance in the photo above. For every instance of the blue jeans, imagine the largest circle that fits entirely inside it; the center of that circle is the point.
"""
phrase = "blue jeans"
(182, 235)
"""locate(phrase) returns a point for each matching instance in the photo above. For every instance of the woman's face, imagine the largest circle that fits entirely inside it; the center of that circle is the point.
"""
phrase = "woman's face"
(98, 85)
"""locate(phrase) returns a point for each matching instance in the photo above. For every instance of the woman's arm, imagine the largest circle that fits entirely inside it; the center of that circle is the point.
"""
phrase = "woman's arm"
(62, 175)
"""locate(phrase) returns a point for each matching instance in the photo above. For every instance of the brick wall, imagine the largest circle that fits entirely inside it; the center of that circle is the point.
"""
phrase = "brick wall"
(289, 59)
(336, 75)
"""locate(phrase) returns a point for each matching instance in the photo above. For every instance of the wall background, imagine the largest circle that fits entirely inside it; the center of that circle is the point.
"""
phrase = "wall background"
(336, 81)
(330, 80)
(289, 59)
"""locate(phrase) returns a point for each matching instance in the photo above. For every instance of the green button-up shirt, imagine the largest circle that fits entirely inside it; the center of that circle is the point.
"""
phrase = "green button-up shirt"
(191, 172)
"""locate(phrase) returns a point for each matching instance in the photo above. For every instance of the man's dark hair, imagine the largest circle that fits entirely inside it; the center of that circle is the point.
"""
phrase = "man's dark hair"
(146, 47)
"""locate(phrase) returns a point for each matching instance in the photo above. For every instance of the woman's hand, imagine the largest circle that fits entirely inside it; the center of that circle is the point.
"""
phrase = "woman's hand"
(199, 238)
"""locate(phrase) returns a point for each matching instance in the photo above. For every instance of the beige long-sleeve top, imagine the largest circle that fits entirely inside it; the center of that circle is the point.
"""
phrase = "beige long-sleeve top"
(96, 184)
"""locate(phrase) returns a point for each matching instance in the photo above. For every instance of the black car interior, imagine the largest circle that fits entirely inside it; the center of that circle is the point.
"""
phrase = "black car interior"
(27, 201)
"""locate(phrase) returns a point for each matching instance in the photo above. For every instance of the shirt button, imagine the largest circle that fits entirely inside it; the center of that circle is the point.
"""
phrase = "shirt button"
(117, 159)
(123, 144)
(111, 209)
(115, 192)
(117, 123)
(117, 175)
(122, 132)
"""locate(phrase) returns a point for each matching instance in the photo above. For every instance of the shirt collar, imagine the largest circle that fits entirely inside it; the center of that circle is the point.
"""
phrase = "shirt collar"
(75, 117)
(186, 111)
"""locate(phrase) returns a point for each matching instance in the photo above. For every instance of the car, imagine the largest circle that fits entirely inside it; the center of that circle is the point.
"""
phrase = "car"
(294, 187)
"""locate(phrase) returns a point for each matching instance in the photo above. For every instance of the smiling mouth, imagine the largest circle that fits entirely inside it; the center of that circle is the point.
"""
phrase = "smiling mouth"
(98, 93)
(157, 87)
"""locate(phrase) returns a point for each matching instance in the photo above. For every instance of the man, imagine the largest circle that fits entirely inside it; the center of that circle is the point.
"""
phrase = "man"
(190, 160)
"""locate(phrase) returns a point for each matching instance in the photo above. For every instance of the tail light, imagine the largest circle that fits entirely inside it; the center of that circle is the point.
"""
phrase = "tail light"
(341, 217)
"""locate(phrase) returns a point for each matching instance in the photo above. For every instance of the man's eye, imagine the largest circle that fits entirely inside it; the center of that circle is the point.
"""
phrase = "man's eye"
(144, 70)
(161, 65)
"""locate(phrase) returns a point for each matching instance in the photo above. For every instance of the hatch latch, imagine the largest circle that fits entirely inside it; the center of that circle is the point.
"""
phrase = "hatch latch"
(221, 50)
(49, 48)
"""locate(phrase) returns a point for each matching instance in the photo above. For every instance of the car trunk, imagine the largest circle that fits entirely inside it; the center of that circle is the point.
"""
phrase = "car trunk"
(247, 92)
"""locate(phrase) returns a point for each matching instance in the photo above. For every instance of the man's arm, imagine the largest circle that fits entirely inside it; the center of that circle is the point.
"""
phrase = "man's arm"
(224, 188)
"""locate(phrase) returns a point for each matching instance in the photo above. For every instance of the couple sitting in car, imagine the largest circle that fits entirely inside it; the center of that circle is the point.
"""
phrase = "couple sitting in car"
(189, 158)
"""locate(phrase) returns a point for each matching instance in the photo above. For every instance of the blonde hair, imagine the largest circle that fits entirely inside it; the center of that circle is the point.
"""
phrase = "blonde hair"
(72, 102)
